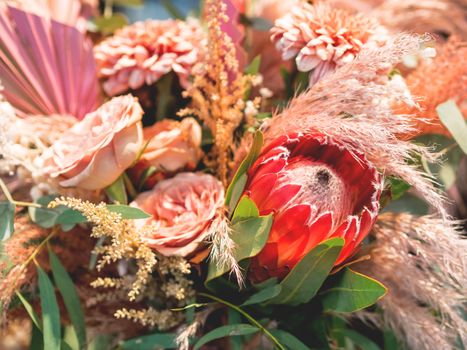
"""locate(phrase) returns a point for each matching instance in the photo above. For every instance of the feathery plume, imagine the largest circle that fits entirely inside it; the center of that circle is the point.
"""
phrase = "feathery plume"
(422, 261)
(353, 105)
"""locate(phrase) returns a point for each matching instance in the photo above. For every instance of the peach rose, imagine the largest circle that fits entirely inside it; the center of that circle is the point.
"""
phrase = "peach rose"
(183, 208)
(173, 145)
(96, 151)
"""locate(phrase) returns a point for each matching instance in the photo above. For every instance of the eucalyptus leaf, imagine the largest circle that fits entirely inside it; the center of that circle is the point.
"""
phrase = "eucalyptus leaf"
(7, 220)
(226, 331)
(70, 297)
(452, 118)
(50, 312)
(238, 183)
(128, 212)
(289, 340)
(117, 191)
(30, 310)
(250, 236)
(303, 282)
(263, 295)
(358, 339)
(36, 342)
(352, 291)
(150, 342)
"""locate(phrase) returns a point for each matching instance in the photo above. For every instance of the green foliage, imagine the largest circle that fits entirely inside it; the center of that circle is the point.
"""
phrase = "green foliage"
(7, 219)
(398, 187)
(127, 212)
(50, 312)
(116, 192)
(70, 297)
(226, 331)
(305, 279)
(452, 118)
(150, 342)
(253, 67)
(290, 341)
(235, 189)
(263, 295)
(30, 310)
(245, 209)
(352, 291)
(108, 25)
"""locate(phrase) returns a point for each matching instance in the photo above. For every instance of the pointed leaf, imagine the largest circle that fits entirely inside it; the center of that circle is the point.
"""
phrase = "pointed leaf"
(253, 67)
(70, 297)
(263, 295)
(305, 279)
(128, 212)
(150, 342)
(245, 209)
(30, 310)
(226, 331)
(50, 312)
(117, 191)
(7, 220)
(289, 340)
(358, 339)
(352, 291)
(453, 120)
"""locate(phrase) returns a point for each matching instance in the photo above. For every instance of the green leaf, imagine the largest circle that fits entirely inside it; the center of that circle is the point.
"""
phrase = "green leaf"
(117, 191)
(305, 279)
(452, 118)
(7, 220)
(358, 339)
(263, 115)
(263, 295)
(352, 291)
(250, 236)
(36, 342)
(398, 187)
(70, 297)
(253, 67)
(245, 209)
(226, 331)
(30, 310)
(289, 340)
(390, 340)
(69, 218)
(147, 173)
(234, 317)
(239, 181)
(172, 9)
(50, 312)
(128, 3)
(128, 212)
(108, 25)
(150, 342)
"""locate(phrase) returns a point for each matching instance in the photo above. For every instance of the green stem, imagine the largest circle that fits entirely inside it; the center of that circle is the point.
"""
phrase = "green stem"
(10, 199)
(247, 316)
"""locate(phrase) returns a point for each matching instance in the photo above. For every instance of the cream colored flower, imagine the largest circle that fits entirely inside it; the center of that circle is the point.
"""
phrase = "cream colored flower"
(96, 151)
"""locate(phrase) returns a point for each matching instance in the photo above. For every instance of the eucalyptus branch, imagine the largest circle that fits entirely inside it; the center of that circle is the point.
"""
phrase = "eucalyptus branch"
(10, 199)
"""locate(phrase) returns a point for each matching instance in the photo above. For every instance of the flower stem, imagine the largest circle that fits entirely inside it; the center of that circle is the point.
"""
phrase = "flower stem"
(10, 199)
(36, 251)
(247, 316)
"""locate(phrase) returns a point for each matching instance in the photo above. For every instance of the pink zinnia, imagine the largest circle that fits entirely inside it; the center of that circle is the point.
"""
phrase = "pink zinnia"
(143, 52)
(322, 38)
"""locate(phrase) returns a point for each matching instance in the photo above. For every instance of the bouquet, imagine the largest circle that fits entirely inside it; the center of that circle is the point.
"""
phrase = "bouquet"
(254, 175)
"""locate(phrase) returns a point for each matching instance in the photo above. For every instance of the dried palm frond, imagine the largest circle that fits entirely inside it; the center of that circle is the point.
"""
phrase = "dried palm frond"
(423, 263)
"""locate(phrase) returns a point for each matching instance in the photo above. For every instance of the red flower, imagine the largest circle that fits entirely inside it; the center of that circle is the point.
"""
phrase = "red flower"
(317, 189)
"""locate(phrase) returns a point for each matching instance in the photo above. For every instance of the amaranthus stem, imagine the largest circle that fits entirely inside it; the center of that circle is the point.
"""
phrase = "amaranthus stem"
(247, 316)
(39, 247)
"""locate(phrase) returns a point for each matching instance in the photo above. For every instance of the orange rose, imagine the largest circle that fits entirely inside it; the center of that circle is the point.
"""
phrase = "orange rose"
(173, 145)
(97, 150)
(183, 209)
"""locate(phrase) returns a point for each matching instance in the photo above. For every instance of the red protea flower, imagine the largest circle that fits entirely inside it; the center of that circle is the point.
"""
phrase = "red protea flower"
(317, 189)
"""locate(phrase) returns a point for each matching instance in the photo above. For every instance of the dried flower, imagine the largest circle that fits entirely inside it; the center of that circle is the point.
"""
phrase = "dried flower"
(422, 261)
(95, 151)
(173, 145)
(143, 52)
(322, 38)
(218, 88)
(317, 189)
(183, 209)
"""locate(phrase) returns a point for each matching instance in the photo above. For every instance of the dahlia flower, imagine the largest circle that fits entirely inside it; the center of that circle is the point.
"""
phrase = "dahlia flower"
(322, 38)
(94, 152)
(144, 51)
(182, 210)
(317, 189)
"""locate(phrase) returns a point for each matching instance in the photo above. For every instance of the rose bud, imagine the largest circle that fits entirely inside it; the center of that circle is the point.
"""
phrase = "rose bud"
(316, 189)
(94, 152)
(182, 210)
(173, 145)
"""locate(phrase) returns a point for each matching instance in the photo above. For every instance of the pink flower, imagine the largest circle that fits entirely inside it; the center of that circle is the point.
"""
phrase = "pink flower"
(97, 150)
(183, 209)
(322, 38)
(173, 145)
(144, 51)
